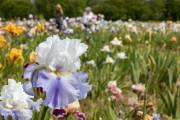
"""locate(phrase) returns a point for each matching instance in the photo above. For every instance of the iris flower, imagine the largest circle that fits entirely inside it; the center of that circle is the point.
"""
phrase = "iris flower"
(61, 54)
(2, 42)
(14, 29)
(15, 54)
(16, 103)
(56, 72)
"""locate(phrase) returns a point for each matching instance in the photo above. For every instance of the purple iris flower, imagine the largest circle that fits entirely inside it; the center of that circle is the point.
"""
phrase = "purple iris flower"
(28, 70)
(79, 83)
(5, 114)
(80, 115)
(156, 117)
(36, 105)
(18, 115)
(27, 86)
(60, 90)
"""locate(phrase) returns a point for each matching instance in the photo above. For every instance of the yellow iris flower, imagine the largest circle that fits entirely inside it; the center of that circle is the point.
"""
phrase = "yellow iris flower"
(32, 57)
(40, 27)
(15, 54)
(14, 29)
(2, 42)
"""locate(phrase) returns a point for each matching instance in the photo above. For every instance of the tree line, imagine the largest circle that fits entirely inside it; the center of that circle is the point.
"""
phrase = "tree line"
(112, 9)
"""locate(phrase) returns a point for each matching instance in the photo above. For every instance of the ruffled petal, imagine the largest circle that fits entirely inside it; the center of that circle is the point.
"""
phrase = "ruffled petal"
(28, 70)
(81, 84)
(27, 86)
(5, 114)
(36, 105)
(59, 93)
(24, 114)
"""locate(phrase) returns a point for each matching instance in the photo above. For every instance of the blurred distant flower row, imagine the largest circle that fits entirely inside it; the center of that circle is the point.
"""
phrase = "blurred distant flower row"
(32, 26)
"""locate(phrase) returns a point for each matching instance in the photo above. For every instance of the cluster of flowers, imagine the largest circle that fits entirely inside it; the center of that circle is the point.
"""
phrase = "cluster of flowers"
(91, 23)
(115, 91)
(106, 49)
(54, 73)
(119, 55)
(33, 26)
(135, 105)
(88, 22)
(138, 26)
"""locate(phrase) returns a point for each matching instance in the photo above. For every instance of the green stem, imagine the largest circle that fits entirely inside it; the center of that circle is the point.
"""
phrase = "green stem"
(144, 109)
(145, 96)
(43, 113)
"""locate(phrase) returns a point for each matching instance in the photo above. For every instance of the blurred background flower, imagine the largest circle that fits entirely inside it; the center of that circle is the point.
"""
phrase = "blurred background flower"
(14, 54)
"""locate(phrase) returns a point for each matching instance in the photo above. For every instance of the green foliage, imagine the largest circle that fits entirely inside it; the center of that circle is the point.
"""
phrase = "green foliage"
(170, 101)
(158, 9)
(16, 8)
(45, 7)
(70, 7)
(173, 8)
(112, 9)
(73, 8)
(137, 9)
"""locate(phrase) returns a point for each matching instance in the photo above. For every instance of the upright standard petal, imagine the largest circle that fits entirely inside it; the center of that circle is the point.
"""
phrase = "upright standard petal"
(61, 54)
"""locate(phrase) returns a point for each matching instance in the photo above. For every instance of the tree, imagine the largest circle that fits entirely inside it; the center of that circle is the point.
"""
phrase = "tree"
(173, 9)
(138, 9)
(158, 8)
(16, 8)
(112, 9)
(71, 8)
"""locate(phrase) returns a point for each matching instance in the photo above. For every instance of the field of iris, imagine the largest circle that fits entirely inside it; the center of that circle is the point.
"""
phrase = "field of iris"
(133, 67)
